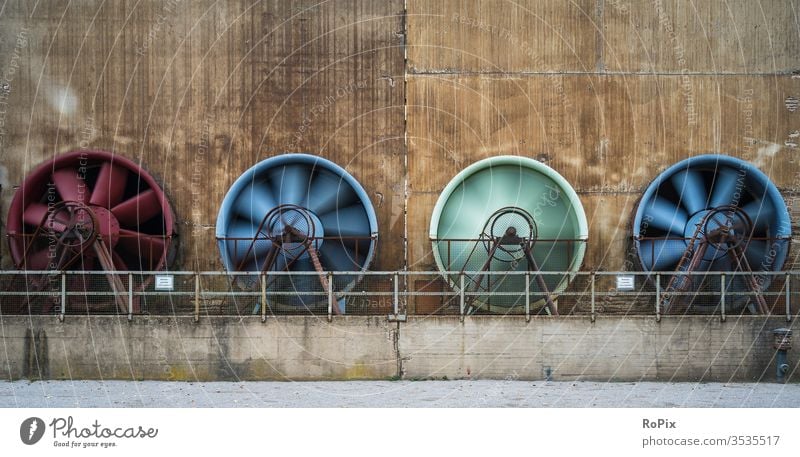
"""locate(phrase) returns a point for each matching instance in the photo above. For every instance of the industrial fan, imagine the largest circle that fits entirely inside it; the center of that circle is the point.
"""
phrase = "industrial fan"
(298, 213)
(90, 211)
(508, 214)
(712, 213)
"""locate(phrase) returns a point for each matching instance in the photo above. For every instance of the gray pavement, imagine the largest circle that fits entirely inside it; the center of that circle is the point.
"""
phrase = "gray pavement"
(394, 394)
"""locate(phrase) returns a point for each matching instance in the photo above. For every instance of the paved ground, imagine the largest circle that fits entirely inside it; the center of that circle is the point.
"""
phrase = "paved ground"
(393, 394)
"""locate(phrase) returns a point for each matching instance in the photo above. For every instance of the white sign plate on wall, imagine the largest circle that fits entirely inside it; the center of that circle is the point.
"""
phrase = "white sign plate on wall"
(165, 282)
(626, 282)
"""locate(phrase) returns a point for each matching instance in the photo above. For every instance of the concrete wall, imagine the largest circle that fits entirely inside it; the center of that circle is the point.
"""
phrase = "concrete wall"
(198, 91)
(107, 347)
(636, 348)
(607, 92)
(402, 94)
(692, 348)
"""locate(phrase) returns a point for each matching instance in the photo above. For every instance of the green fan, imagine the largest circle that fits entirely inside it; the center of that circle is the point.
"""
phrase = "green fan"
(500, 218)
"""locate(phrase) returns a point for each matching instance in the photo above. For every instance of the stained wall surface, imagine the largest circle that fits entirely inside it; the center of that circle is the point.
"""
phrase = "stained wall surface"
(606, 92)
(613, 348)
(403, 95)
(199, 91)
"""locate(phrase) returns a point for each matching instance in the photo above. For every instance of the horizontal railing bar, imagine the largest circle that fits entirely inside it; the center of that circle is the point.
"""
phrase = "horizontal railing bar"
(400, 272)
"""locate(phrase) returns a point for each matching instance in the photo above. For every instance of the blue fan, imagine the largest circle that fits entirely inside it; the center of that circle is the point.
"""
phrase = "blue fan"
(713, 213)
(298, 213)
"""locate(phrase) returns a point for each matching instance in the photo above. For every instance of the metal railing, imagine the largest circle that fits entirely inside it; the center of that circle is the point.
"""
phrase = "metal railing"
(395, 293)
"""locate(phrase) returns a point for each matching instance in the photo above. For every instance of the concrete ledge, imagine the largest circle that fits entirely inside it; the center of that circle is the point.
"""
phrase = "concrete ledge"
(614, 348)
(216, 348)
(621, 348)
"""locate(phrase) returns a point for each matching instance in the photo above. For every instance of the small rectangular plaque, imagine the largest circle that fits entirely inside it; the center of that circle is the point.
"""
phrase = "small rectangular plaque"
(165, 282)
(626, 282)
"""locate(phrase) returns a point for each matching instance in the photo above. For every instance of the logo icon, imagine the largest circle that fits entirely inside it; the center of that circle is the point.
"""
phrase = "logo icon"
(31, 430)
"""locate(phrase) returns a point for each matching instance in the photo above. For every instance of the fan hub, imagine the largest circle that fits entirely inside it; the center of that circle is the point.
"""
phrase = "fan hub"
(510, 223)
(76, 226)
(293, 226)
(107, 224)
(722, 229)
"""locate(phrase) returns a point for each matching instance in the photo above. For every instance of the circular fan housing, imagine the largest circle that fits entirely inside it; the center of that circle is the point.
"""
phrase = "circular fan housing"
(286, 204)
(712, 192)
(486, 199)
(66, 204)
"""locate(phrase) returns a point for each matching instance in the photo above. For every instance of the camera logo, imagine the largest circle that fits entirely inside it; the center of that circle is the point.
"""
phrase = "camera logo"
(31, 430)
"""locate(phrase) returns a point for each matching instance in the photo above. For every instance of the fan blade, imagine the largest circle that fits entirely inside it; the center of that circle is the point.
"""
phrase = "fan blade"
(761, 214)
(691, 189)
(110, 185)
(71, 185)
(329, 192)
(722, 264)
(725, 190)
(143, 245)
(335, 257)
(120, 265)
(665, 215)
(39, 260)
(36, 214)
(758, 256)
(347, 222)
(661, 255)
(86, 263)
(254, 202)
(291, 184)
(282, 260)
(241, 236)
(139, 209)
(466, 216)
(302, 265)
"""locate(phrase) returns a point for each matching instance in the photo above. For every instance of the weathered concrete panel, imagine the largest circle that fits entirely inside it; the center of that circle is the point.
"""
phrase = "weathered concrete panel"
(602, 133)
(491, 36)
(712, 36)
(587, 36)
(689, 348)
(199, 91)
(214, 349)
(609, 136)
(612, 348)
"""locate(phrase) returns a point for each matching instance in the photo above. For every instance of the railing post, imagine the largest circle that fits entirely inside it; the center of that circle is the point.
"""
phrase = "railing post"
(263, 278)
(396, 299)
(593, 296)
(330, 296)
(63, 296)
(658, 297)
(527, 297)
(461, 300)
(197, 297)
(788, 297)
(130, 296)
(722, 297)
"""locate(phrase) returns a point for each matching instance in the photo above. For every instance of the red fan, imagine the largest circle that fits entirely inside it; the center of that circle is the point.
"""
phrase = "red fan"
(90, 210)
